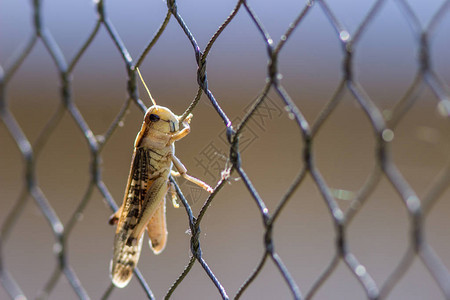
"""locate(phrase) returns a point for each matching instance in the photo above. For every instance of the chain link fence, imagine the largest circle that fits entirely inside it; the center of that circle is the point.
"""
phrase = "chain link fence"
(231, 164)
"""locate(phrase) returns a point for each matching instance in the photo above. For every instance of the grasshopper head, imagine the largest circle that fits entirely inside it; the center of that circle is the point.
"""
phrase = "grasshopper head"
(161, 119)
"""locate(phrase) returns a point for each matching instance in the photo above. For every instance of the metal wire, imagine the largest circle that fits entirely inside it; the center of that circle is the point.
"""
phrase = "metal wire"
(384, 168)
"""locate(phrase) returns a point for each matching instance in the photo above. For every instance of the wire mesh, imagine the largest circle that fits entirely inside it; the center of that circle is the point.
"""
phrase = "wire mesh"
(383, 129)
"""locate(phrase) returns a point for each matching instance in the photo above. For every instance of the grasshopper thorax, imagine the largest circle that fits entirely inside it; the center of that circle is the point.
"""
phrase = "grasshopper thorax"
(162, 119)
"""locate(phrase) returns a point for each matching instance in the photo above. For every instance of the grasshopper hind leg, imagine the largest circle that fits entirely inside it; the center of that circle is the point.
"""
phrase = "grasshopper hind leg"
(157, 229)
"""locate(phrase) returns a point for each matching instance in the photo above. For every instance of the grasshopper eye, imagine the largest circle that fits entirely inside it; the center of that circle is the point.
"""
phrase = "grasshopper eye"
(154, 118)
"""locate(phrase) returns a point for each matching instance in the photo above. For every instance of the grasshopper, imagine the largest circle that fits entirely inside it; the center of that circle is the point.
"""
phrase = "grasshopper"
(148, 184)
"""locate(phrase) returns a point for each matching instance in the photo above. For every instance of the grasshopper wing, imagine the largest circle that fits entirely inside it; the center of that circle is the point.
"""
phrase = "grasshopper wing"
(127, 251)
(124, 262)
(143, 197)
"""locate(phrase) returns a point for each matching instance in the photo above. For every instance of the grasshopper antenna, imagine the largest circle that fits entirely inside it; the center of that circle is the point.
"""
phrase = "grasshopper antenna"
(146, 88)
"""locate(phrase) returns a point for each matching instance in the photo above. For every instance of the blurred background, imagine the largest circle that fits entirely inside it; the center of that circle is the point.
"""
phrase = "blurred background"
(232, 232)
